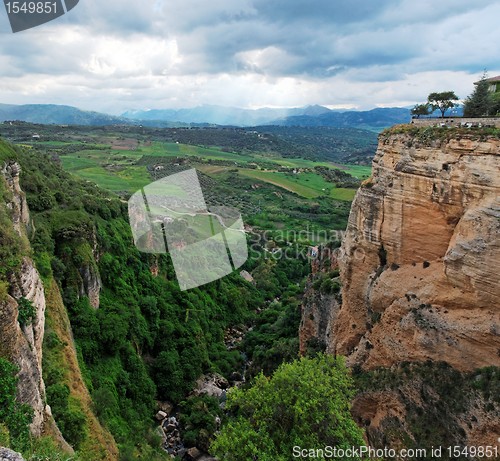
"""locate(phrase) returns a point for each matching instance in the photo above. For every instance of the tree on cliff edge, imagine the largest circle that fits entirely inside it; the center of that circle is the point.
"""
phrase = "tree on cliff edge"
(421, 109)
(442, 101)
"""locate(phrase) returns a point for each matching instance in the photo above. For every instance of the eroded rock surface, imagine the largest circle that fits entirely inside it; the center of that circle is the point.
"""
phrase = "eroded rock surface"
(421, 257)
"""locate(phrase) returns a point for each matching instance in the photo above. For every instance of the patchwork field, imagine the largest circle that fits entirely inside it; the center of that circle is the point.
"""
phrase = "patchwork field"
(308, 185)
(115, 168)
(253, 172)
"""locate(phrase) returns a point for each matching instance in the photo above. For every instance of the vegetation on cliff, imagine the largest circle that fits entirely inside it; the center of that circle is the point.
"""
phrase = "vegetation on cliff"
(14, 417)
(147, 340)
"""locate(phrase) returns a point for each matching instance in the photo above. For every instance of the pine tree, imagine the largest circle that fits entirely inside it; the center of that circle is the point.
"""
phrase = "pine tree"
(478, 104)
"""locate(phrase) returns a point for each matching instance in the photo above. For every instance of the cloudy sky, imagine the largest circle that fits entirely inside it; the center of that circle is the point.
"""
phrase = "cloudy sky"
(116, 55)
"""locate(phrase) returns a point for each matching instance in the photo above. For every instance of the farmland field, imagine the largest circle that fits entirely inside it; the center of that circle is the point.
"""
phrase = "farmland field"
(271, 190)
(114, 169)
(341, 193)
(308, 185)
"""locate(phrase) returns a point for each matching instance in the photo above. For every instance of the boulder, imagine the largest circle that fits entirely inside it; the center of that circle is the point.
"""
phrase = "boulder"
(9, 455)
(193, 454)
(161, 415)
(167, 407)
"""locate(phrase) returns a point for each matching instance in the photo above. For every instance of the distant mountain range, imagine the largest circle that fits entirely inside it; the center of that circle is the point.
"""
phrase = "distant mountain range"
(375, 119)
(219, 115)
(56, 114)
(310, 116)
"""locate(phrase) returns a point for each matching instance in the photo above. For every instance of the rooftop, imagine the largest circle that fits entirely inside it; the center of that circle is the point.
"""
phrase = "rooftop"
(491, 80)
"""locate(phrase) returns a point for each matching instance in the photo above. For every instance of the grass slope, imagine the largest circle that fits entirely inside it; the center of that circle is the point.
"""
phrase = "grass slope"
(60, 354)
(308, 185)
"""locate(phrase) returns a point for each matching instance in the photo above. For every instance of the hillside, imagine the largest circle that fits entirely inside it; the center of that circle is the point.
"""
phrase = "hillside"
(101, 331)
(81, 247)
(57, 114)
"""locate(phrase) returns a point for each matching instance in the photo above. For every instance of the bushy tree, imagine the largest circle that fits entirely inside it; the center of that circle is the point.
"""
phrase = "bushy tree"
(442, 101)
(305, 403)
(421, 109)
(495, 104)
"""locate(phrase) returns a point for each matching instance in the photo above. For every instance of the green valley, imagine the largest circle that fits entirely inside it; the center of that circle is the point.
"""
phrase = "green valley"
(117, 324)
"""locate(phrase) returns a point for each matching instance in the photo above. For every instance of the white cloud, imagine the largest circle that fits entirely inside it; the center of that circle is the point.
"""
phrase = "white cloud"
(118, 55)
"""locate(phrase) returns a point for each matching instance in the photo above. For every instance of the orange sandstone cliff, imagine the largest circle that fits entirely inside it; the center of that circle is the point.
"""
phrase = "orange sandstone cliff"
(420, 263)
(420, 274)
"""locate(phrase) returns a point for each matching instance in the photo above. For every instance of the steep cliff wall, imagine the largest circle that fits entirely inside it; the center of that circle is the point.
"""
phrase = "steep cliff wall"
(419, 267)
(320, 305)
(421, 257)
(23, 344)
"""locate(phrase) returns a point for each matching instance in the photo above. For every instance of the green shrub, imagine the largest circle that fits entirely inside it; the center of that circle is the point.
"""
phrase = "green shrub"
(198, 418)
(329, 286)
(45, 449)
(67, 413)
(26, 311)
(43, 265)
(14, 416)
(304, 403)
(4, 435)
(4, 290)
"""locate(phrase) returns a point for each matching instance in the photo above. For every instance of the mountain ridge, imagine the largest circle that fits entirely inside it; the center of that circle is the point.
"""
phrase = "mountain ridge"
(308, 116)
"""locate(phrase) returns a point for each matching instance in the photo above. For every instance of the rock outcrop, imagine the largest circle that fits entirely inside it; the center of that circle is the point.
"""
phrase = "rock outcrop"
(9, 455)
(18, 205)
(320, 308)
(22, 345)
(419, 267)
(91, 283)
(421, 256)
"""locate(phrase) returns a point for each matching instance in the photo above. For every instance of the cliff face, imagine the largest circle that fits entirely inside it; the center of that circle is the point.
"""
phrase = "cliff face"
(320, 307)
(23, 344)
(419, 268)
(91, 283)
(421, 257)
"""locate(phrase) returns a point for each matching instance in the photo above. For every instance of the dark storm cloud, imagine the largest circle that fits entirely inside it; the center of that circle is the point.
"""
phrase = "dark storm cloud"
(312, 37)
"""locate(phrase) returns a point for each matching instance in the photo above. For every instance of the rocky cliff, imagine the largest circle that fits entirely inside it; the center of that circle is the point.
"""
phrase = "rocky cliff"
(419, 312)
(320, 305)
(421, 257)
(22, 344)
(21, 340)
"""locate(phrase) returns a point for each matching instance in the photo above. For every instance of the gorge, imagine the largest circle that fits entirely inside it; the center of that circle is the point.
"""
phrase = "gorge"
(410, 299)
